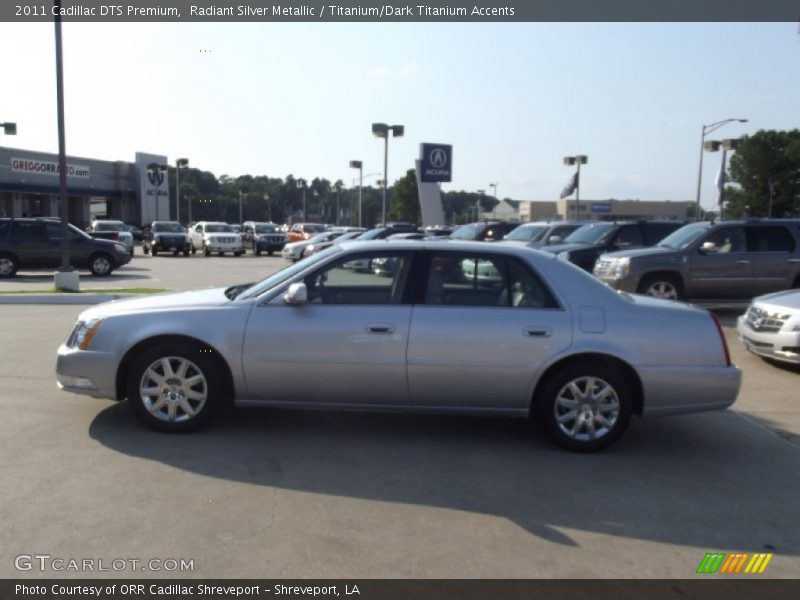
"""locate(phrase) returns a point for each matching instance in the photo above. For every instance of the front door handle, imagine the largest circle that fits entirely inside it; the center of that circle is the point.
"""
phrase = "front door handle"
(793, 260)
(743, 262)
(538, 331)
(382, 328)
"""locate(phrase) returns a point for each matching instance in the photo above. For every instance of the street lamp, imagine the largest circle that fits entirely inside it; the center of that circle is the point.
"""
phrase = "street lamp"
(580, 159)
(319, 206)
(496, 202)
(269, 207)
(9, 128)
(181, 162)
(478, 204)
(706, 130)
(153, 169)
(381, 130)
(357, 164)
(241, 194)
(301, 183)
(338, 187)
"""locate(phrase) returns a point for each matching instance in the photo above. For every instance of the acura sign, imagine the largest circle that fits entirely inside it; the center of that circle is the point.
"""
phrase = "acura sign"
(436, 162)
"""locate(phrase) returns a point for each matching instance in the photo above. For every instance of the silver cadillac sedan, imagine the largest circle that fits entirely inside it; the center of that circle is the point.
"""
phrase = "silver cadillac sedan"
(541, 338)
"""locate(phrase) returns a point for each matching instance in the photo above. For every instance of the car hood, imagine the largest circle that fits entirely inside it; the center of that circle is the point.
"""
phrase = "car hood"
(786, 299)
(634, 252)
(557, 248)
(172, 301)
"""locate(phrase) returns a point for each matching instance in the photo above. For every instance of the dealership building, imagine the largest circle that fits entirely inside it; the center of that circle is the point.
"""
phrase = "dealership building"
(128, 191)
(604, 210)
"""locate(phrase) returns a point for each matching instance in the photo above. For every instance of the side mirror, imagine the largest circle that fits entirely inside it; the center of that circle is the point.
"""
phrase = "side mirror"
(296, 294)
(708, 248)
(555, 239)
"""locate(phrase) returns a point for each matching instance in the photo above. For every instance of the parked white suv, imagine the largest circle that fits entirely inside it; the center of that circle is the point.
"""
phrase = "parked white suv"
(771, 326)
(216, 237)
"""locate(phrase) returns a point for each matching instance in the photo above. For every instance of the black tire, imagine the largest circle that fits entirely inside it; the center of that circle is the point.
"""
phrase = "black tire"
(552, 403)
(147, 409)
(256, 249)
(101, 264)
(238, 253)
(145, 250)
(8, 265)
(270, 252)
(154, 251)
(186, 253)
(175, 252)
(220, 254)
(206, 251)
(194, 250)
(661, 286)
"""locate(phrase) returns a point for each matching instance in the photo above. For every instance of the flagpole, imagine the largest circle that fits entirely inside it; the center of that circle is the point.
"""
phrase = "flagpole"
(578, 192)
(721, 182)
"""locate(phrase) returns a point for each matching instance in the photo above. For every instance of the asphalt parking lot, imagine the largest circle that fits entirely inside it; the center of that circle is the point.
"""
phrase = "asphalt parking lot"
(273, 493)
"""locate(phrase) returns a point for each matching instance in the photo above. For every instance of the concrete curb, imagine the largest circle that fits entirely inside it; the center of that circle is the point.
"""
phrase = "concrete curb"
(83, 298)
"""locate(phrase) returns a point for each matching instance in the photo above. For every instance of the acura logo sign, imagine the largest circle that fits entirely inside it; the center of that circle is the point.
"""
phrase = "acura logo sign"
(438, 158)
(156, 177)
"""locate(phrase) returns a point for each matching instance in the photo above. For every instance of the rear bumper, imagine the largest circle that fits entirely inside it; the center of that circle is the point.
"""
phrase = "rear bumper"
(686, 389)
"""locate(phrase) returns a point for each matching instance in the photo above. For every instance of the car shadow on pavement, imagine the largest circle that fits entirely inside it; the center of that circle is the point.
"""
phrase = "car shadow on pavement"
(32, 277)
(711, 481)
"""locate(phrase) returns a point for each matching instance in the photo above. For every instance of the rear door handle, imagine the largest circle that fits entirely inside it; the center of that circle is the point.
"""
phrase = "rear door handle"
(793, 260)
(743, 262)
(538, 331)
(383, 328)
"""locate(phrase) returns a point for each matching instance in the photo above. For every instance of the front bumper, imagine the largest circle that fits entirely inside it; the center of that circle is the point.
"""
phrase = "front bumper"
(87, 373)
(292, 253)
(270, 245)
(783, 346)
(625, 284)
(214, 246)
(167, 245)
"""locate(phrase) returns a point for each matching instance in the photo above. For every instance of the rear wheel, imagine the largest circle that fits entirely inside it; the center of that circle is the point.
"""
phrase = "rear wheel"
(8, 265)
(174, 387)
(100, 264)
(584, 408)
(256, 249)
(206, 251)
(667, 287)
(238, 253)
(186, 252)
(270, 252)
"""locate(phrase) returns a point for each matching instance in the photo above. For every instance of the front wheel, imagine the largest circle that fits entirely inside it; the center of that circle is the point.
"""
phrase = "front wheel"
(256, 249)
(206, 251)
(100, 265)
(238, 253)
(174, 387)
(663, 286)
(584, 408)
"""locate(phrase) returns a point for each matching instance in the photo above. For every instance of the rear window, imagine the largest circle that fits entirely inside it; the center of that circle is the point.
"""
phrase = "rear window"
(770, 239)
(110, 227)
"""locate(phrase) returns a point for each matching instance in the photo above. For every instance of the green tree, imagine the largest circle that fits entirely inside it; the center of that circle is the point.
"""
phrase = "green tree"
(405, 202)
(767, 168)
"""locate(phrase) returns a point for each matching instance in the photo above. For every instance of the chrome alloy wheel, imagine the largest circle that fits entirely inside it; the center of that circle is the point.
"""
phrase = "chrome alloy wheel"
(101, 265)
(586, 409)
(173, 389)
(6, 266)
(662, 289)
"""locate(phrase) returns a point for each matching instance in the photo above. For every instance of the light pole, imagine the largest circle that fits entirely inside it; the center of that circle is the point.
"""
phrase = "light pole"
(181, 162)
(338, 187)
(381, 130)
(269, 207)
(316, 196)
(154, 169)
(241, 194)
(9, 128)
(478, 205)
(496, 202)
(301, 183)
(357, 164)
(580, 159)
(706, 130)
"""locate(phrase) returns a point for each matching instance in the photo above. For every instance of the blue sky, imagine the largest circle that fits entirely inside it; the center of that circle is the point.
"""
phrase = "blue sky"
(513, 99)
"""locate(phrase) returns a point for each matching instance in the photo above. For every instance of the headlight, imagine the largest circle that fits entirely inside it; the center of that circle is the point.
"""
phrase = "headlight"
(620, 268)
(83, 333)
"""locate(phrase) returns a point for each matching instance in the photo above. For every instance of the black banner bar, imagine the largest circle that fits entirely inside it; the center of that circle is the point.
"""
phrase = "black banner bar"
(733, 588)
(477, 11)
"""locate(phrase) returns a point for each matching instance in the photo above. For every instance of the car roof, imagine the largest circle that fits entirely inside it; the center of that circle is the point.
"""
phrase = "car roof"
(449, 245)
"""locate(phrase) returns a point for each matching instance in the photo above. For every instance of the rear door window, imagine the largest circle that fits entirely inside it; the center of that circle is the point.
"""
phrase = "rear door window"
(770, 239)
(628, 235)
(28, 230)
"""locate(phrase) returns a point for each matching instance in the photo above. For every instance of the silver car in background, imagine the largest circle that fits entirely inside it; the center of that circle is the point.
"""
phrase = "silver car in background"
(771, 326)
(547, 340)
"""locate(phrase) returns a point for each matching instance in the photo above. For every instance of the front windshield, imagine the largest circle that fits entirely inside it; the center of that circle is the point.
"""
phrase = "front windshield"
(110, 226)
(372, 234)
(685, 236)
(266, 228)
(595, 233)
(467, 232)
(287, 273)
(527, 233)
(168, 228)
(219, 228)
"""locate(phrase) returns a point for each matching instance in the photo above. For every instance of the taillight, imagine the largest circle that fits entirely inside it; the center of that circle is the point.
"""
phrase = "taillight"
(715, 318)
(116, 237)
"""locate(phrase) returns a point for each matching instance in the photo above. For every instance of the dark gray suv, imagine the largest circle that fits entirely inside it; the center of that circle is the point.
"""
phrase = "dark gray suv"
(726, 260)
(36, 243)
